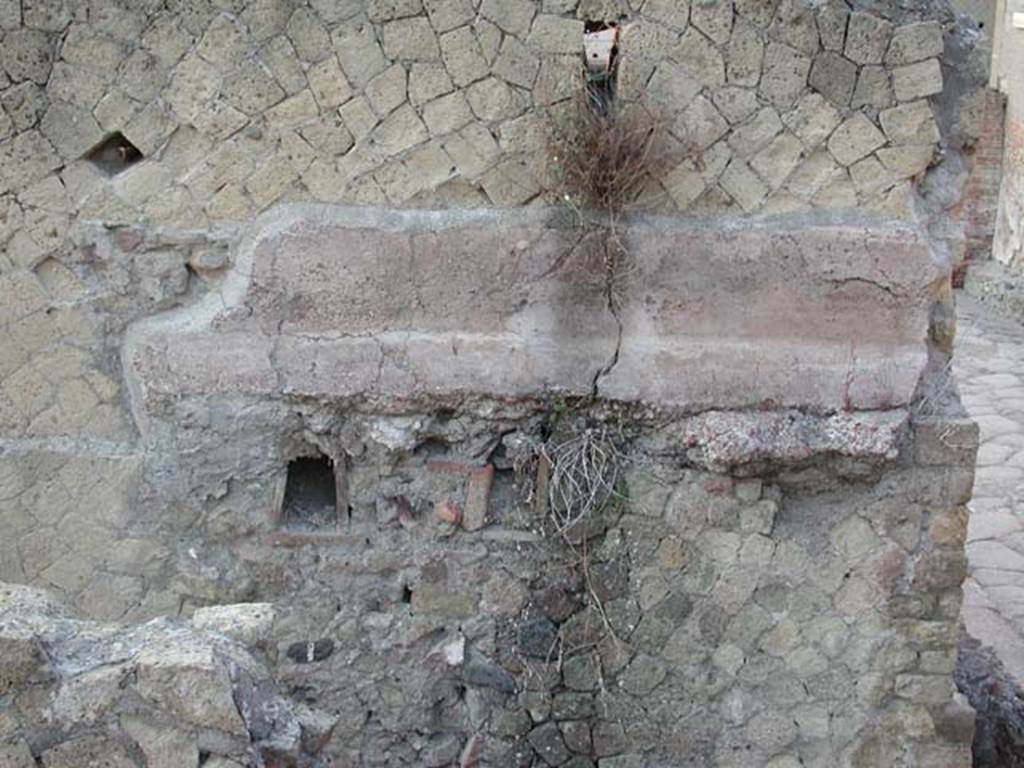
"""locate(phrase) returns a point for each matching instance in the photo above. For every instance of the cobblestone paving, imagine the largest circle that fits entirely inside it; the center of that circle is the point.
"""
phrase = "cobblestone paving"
(990, 371)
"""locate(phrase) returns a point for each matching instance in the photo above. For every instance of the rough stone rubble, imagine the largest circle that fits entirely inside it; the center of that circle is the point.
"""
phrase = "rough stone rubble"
(161, 693)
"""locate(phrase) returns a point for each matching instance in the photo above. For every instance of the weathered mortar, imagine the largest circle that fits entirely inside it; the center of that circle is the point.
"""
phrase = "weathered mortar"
(782, 563)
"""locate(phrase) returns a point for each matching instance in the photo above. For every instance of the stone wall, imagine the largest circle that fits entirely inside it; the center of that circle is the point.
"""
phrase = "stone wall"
(235, 106)
(769, 581)
(772, 578)
(778, 606)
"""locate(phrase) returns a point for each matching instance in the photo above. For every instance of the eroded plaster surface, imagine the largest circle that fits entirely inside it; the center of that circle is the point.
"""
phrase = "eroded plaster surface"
(819, 312)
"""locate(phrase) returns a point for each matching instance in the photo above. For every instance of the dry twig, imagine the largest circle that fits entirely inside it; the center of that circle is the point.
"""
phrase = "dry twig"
(606, 158)
(584, 473)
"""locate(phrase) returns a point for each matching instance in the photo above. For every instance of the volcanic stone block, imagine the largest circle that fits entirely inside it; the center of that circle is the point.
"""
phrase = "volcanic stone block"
(867, 38)
(462, 56)
(359, 53)
(745, 54)
(854, 139)
(735, 103)
(908, 160)
(832, 20)
(779, 159)
(387, 91)
(757, 133)
(743, 185)
(785, 74)
(834, 77)
(873, 88)
(912, 123)
(916, 81)
(447, 114)
(813, 119)
(713, 19)
(670, 13)
(411, 38)
(448, 14)
(25, 159)
(512, 16)
(915, 42)
(516, 63)
(308, 35)
(329, 86)
(699, 125)
(27, 54)
(553, 34)
(696, 53)
(795, 25)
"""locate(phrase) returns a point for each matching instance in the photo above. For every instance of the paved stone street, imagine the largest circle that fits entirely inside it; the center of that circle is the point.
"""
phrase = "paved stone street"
(990, 371)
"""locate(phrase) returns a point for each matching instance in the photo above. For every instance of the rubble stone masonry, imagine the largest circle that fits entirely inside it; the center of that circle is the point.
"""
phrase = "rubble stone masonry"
(326, 440)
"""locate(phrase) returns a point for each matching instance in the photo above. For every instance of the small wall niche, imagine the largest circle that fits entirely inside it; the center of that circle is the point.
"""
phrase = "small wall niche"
(600, 50)
(114, 154)
(313, 496)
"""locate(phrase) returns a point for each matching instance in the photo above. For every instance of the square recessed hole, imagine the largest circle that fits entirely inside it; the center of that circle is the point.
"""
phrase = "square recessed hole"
(311, 495)
(114, 154)
(600, 48)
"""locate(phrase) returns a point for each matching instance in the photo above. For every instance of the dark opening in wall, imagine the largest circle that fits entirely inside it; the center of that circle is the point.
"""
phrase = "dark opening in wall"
(114, 154)
(310, 495)
(600, 50)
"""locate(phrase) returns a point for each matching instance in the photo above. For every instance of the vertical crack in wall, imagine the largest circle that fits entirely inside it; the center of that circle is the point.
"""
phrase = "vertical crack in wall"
(613, 307)
(600, 76)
